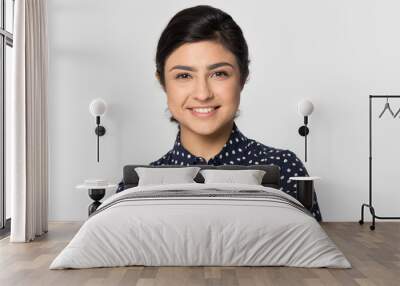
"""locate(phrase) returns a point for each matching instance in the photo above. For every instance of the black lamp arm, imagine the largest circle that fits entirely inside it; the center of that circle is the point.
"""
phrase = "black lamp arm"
(303, 131)
(100, 131)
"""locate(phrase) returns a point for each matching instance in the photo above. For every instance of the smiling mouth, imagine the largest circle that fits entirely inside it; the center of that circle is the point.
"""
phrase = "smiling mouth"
(204, 111)
(204, 108)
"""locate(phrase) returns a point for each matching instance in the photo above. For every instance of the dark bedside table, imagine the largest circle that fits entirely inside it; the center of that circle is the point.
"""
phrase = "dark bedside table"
(305, 187)
(96, 193)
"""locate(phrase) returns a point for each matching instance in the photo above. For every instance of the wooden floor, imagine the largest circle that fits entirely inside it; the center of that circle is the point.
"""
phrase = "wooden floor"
(374, 255)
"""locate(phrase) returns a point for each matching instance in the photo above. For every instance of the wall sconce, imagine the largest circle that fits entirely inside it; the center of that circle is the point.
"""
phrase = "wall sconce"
(305, 108)
(97, 108)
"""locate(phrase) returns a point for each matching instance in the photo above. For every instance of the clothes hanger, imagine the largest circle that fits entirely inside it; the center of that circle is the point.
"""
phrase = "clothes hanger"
(387, 106)
(398, 111)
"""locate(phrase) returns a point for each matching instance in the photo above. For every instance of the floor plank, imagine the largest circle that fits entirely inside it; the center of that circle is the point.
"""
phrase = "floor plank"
(374, 255)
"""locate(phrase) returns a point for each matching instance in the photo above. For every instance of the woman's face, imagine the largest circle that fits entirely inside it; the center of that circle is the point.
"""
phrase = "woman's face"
(202, 75)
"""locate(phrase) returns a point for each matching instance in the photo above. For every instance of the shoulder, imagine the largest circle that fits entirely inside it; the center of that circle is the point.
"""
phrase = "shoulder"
(286, 159)
(164, 160)
(255, 149)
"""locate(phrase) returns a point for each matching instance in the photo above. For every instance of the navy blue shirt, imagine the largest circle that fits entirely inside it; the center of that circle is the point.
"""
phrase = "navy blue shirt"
(240, 150)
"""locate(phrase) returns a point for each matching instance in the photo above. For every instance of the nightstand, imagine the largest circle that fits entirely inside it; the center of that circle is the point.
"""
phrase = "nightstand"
(305, 187)
(96, 193)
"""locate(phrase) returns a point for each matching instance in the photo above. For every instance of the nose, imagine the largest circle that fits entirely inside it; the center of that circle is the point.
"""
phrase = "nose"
(203, 91)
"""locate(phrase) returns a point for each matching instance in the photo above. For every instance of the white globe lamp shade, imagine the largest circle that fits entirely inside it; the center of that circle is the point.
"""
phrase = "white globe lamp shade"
(305, 107)
(97, 107)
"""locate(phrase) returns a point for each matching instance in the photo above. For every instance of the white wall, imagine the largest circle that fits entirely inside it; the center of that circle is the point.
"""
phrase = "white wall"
(335, 53)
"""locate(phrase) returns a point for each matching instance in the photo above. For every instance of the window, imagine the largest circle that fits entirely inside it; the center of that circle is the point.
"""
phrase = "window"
(6, 44)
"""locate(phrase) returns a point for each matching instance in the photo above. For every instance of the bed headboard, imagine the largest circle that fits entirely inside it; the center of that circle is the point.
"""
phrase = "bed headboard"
(270, 179)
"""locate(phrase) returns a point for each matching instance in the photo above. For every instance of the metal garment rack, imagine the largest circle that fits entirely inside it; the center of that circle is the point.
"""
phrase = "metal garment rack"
(369, 205)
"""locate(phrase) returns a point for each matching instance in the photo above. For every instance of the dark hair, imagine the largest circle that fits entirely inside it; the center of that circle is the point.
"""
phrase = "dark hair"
(200, 23)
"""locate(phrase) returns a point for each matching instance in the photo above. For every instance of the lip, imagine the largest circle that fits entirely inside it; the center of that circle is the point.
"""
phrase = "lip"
(204, 115)
(215, 106)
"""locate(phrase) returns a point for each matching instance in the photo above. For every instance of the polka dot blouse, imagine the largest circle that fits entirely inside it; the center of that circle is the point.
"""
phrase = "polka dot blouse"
(240, 150)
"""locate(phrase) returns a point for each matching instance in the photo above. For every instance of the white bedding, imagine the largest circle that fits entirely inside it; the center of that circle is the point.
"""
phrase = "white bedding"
(190, 230)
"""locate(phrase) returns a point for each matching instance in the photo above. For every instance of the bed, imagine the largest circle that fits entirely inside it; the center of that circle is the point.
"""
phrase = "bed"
(201, 224)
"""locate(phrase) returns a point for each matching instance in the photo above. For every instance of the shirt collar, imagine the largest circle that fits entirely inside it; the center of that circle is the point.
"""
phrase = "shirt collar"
(236, 140)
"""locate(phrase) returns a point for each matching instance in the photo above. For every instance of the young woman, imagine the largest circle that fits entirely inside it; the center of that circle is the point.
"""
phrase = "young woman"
(202, 64)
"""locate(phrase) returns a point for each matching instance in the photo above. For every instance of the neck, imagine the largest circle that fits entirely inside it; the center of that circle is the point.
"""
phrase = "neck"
(206, 146)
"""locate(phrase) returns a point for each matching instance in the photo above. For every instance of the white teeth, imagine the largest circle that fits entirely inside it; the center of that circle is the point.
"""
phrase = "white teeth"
(203, 110)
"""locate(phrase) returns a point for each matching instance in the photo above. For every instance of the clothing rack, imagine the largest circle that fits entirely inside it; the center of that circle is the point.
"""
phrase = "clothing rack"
(369, 205)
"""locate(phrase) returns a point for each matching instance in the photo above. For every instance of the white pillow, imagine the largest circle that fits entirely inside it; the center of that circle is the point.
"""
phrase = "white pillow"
(250, 176)
(162, 176)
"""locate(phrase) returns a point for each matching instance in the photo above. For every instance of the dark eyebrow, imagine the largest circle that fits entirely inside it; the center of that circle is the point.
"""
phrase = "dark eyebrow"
(210, 67)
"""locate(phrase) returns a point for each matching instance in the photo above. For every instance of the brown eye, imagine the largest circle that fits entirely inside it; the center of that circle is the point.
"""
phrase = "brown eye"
(221, 74)
(182, 75)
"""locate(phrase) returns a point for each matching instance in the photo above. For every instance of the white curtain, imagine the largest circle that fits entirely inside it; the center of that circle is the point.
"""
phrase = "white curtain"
(27, 122)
